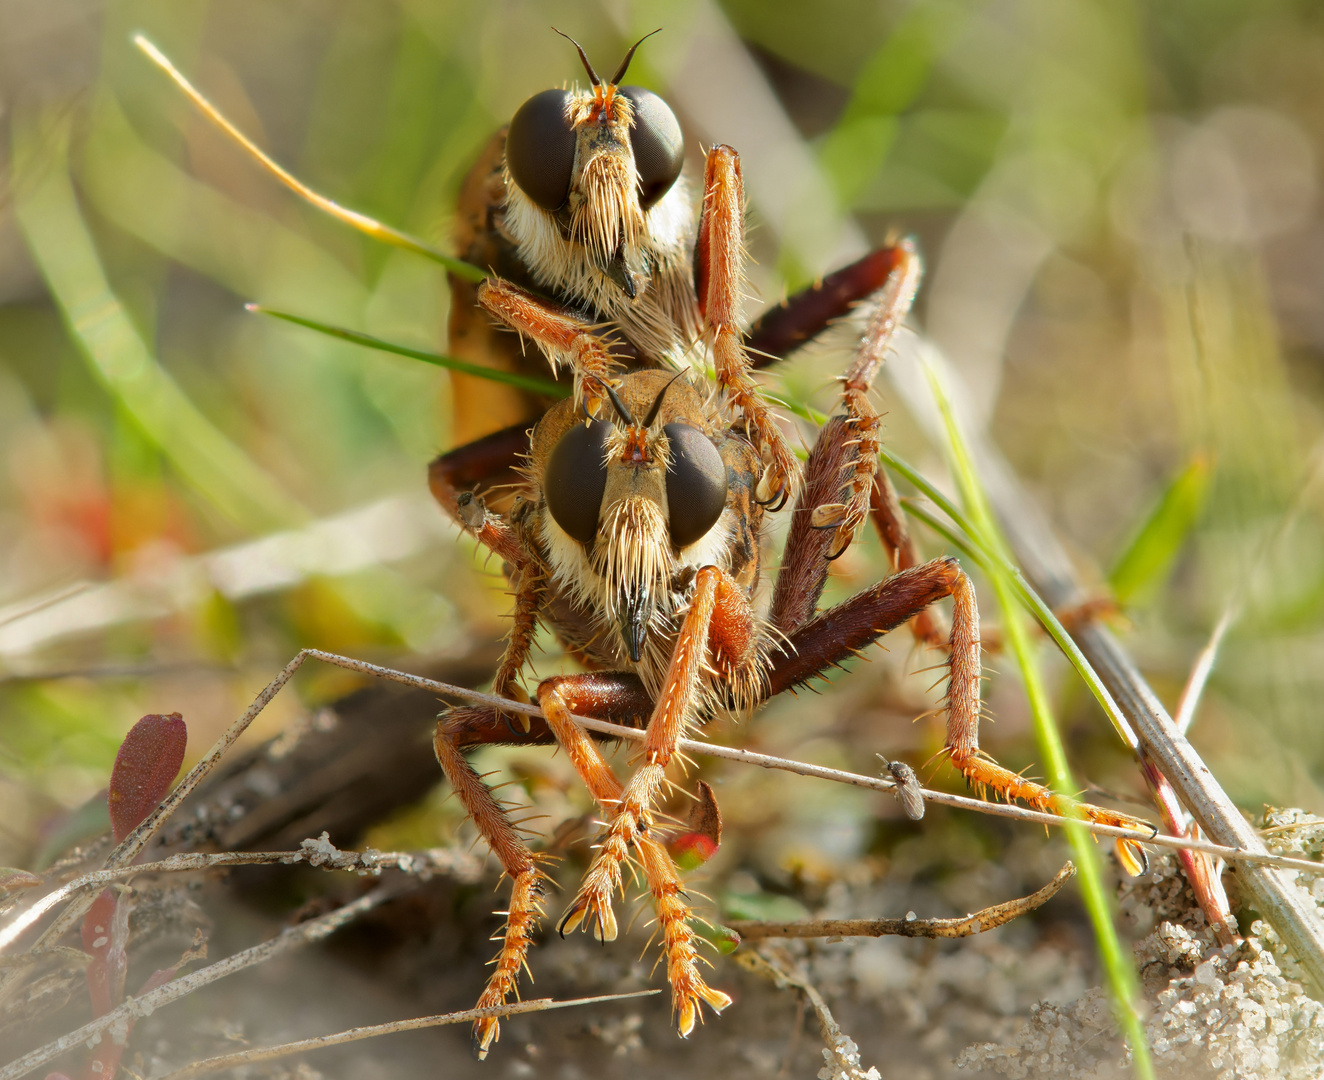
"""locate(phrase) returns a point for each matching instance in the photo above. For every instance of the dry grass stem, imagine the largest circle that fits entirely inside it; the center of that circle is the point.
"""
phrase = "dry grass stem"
(986, 919)
(313, 852)
(840, 1053)
(1051, 573)
(268, 1053)
(1202, 669)
(1287, 907)
(117, 1021)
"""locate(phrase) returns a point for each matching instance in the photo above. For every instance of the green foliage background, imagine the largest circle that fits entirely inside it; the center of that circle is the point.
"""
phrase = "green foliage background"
(1118, 203)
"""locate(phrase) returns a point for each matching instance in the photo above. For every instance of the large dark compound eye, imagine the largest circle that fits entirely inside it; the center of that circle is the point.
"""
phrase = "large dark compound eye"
(659, 147)
(696, 484)
(576, 477)
(540, 148)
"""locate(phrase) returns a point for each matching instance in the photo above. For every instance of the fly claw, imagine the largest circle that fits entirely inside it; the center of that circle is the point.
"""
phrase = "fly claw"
(597, 910)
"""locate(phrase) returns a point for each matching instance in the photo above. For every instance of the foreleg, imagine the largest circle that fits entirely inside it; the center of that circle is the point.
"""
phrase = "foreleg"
(719, 278)
(719, 629)
(565, 338)
(559, 697)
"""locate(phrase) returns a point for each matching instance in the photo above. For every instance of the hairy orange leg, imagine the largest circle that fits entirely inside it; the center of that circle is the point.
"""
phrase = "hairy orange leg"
(888, 307)
(527, 574)
(564, 337)
(613, 696)
(890, 523)
(718, 627)
(516, 860)
(719, 277)
(558, 698)
(980, 771)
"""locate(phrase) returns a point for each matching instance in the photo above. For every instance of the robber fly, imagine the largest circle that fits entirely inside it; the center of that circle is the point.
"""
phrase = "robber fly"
(634, 533)
(634, 530)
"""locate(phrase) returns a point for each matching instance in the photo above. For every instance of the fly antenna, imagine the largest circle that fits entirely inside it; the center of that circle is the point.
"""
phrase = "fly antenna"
(657, 401)
(619, 406)
(620, 71)
(592, 75)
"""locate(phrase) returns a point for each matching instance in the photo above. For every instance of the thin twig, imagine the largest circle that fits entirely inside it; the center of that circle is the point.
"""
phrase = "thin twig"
(1202, 669)
(986, 919)
(145, 1004)
(268, 1053)
(32, 605)
(773, 963)
(1203, 872)
(313, 852)
(876, 783)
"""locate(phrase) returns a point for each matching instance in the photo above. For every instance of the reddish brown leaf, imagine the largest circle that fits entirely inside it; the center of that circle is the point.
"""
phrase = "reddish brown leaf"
(701, 839)
(105, 928)
(146, 766)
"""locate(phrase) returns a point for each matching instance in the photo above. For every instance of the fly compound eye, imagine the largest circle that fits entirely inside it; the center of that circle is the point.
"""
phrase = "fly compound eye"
(576, 477)
(540, 148)
(696, 484)
(659, 147)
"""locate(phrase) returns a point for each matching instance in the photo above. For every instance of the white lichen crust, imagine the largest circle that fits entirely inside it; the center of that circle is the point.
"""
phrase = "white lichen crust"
(1217, 1012)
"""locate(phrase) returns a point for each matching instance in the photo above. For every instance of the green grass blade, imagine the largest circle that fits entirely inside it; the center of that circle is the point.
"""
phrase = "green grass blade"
(970, 542)
(48, 213)
(1148, 558)
(1118, 967)
(531, 383)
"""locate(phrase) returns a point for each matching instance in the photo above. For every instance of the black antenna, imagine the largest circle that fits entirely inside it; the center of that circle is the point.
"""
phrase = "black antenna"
(619, 406)
(657, 401)
(620, 71)
(592, 75)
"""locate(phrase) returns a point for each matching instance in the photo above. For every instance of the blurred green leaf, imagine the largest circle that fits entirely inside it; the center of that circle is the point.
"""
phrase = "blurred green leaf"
(723, 938)
(47, 210)
(1146, 561)
(767, 907)
(892, 80)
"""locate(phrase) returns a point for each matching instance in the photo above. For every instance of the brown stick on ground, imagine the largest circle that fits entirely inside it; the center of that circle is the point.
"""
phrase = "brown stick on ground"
(985, 919)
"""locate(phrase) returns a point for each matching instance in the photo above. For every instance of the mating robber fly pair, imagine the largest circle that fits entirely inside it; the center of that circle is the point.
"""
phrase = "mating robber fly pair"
(634, 531)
